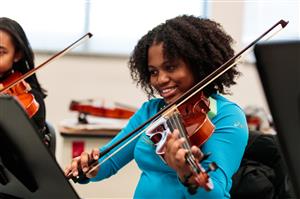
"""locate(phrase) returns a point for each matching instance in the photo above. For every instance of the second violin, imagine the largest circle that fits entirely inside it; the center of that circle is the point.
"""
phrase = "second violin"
(93, 107)
(21, 92)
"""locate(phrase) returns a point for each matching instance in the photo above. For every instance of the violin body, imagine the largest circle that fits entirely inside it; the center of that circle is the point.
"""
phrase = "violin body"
(192, 116)
(195, 119)
(193, 124)
(21, 92)
(100, 111)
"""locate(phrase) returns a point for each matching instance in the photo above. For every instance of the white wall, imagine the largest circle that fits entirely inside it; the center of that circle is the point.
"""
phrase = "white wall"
(78, 77)
(248, 90)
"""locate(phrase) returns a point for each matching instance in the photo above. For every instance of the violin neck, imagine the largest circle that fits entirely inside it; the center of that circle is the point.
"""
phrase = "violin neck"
(175, 122)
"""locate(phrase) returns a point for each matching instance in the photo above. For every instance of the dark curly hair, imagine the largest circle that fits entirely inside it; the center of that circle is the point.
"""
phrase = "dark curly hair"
(201, 43)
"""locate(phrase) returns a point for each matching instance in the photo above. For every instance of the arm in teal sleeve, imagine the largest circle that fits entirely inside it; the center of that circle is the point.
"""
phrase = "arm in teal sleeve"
(125, 155)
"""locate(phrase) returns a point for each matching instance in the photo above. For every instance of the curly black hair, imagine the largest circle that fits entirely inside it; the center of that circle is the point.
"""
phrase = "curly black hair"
(201, 43)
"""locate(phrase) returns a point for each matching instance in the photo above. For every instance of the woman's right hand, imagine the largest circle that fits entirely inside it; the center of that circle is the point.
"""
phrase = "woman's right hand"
(82, 163)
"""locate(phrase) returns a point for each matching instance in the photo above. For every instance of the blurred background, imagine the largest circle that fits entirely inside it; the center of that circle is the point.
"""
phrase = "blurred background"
(98, 68)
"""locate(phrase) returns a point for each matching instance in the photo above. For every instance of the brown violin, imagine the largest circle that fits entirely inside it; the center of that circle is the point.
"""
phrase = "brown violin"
(193, 124)
(21, 92)
(89, 108)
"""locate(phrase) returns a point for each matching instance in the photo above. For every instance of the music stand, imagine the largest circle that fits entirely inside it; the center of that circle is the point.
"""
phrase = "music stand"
(278, 65)
(27, 168)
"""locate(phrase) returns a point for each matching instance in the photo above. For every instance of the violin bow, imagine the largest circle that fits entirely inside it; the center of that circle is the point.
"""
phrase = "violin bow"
(191, 92)
(51, 59)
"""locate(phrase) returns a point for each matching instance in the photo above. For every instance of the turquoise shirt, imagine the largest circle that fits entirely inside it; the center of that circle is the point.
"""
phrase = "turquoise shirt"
(158, 180)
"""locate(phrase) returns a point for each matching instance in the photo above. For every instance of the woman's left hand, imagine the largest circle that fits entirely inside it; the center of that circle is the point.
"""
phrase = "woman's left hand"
(175, 155)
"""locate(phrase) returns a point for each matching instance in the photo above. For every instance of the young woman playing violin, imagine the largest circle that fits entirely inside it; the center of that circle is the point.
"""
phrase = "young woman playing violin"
(16, 56)
(168, 61)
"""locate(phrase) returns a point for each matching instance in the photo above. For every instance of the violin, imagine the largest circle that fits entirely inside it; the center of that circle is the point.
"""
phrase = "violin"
(21, 92)
(180, 114)
(191, 117)
(89, 108)
(193, 124)
(14, 84)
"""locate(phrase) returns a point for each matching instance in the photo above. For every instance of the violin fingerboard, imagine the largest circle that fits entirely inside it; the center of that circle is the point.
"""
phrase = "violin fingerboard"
(175, 122)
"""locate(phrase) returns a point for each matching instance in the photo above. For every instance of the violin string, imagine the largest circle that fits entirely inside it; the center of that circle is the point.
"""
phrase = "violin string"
(174, 123)
(182, 131)
(177, 122)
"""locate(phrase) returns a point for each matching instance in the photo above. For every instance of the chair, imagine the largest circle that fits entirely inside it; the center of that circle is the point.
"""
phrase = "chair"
(263, 173)
(50, 137)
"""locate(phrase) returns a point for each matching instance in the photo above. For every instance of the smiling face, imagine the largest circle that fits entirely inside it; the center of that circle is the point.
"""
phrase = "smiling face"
(170, 79)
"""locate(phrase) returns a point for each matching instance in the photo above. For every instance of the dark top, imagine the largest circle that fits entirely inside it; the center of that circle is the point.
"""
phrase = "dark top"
(40, 117)
(46, 131)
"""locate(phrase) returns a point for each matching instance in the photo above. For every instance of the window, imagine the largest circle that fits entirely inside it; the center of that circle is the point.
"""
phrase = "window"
(49, 25)
(116, 24)
(260, 15)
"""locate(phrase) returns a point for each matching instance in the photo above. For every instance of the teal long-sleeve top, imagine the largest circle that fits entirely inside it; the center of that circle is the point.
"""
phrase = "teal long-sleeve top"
(158, 180)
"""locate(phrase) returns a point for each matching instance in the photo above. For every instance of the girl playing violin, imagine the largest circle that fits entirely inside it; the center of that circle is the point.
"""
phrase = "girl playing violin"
(168, 61)
(16, 55)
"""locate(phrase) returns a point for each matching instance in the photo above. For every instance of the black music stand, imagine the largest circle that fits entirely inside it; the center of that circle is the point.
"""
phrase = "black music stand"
(278, 65)
(27, 168)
